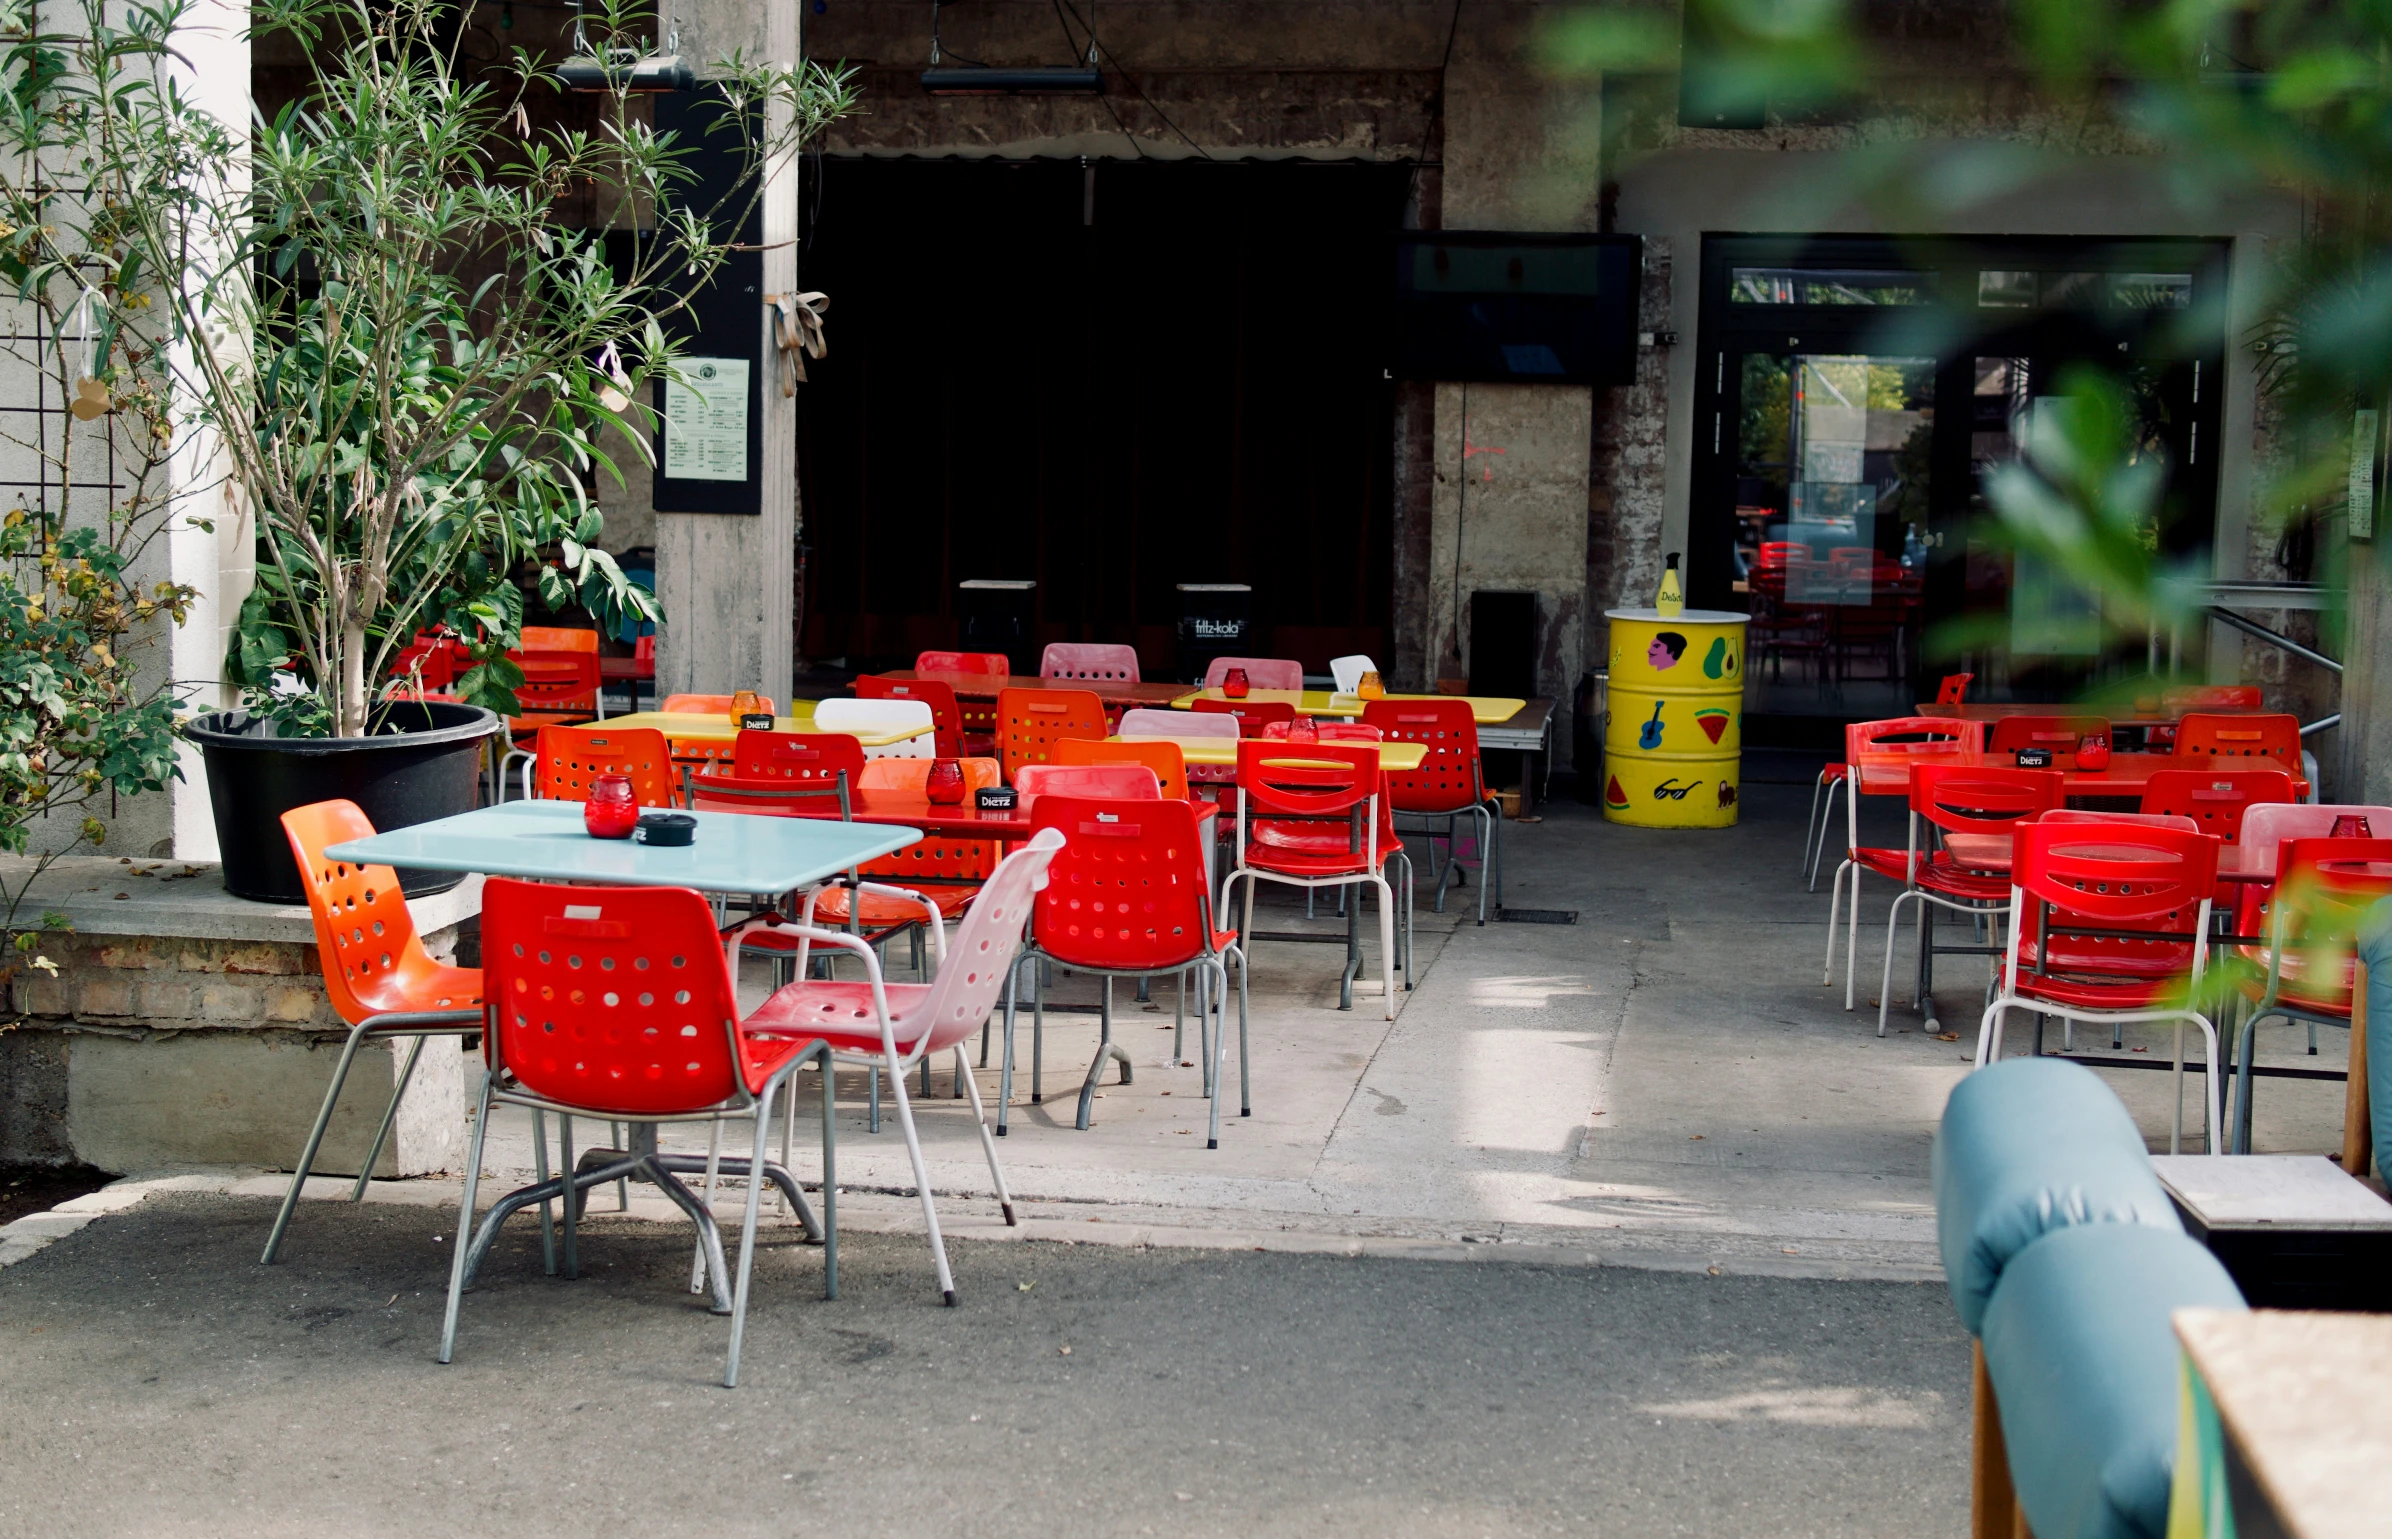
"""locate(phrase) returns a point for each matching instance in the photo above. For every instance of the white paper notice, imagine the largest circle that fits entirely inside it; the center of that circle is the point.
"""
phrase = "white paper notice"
(706, 421)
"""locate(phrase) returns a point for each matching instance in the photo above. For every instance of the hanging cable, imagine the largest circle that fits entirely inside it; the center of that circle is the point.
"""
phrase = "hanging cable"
(1096, 45)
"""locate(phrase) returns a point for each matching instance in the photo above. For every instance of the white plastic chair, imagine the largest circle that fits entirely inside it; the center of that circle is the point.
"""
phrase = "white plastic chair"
(1348, 672)
(861, 716)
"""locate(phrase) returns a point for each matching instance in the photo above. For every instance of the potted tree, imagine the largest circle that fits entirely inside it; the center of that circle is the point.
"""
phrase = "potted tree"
(413, 344)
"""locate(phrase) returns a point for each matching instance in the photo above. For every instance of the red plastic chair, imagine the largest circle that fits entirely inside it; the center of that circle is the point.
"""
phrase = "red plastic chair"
(377, 974)
(941, 870)
(1781, 553)
(1105, 661)
(2060, 734)
(785, 773)
(1308, 817)
(571, 757)
(946, 717)
(2241, 737)
(1954, 689)
(1127, 782)
(1926, 738)
(2267, 825)
(1252, 715)
(1979, 810)
(1128, 897)
(559, 688)
(1029, 721)
(2324, 891)
(2215, 799)
(892, 1026)
(1261, 672)
(1160, 755)
(2139, 886)
(1450, 783)
(432, 661)
(619, 1002)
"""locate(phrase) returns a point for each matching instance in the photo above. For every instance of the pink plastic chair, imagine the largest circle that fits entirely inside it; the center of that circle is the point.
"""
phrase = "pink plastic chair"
(893, 1026)
(1141, 722)
(1125, 782)
(1102, 660)
(1261, 672)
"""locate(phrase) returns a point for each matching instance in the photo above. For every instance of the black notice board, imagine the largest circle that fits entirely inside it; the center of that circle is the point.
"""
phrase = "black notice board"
(725, 318)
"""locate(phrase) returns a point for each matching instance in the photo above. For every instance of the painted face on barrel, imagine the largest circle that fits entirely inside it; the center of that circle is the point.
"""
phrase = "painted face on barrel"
(1665, 651)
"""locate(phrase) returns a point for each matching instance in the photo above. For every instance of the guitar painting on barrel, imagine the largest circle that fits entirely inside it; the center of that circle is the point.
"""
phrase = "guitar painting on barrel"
(1648, 736)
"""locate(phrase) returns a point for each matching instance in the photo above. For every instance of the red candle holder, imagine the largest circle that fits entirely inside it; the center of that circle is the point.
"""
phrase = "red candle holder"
(612, 811)
(2093, 752)
(944, 784)
(1234, 684)
(1303, 730)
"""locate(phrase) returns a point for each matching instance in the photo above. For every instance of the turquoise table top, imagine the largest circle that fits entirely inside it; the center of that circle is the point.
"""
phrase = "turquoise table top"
(734, 851)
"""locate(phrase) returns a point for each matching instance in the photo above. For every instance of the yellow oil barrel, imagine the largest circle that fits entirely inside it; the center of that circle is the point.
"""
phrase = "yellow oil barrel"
(1673, 735)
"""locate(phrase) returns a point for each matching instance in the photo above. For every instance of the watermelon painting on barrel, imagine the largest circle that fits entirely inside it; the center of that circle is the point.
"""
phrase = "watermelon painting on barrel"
(1713, 722)
(1613, 796)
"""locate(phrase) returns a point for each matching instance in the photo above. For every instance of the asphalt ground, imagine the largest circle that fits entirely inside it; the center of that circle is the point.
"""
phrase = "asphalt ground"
(154, 1380)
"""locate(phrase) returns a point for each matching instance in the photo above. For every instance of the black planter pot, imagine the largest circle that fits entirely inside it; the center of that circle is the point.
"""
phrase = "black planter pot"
(423, 762)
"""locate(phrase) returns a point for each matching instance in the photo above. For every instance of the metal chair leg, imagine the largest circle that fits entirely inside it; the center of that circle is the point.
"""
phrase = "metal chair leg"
(930, 1212)
(315, 1139)
(473, 1171)
(988, 1146)
(390, 1114)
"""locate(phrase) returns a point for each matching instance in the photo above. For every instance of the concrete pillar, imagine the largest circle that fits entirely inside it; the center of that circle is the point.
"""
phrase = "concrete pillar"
(2365, 736)
(725, 580)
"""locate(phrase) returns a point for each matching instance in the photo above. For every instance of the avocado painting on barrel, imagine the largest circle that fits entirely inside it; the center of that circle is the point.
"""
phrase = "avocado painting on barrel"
(1717, 663)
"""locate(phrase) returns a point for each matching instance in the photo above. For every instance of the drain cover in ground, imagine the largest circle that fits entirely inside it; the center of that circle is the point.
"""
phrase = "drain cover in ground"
(1536, 916)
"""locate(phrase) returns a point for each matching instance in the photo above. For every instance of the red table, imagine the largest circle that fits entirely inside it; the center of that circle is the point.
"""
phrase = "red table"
(912, 809)
(1115, 693)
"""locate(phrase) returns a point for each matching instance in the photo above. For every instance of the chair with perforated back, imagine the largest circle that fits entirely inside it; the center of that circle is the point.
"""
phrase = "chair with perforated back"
(1029, 721)
(1979, 810)
(377, 974)
(2325, 890)
(989, 670)
(893, 1026)
(946, 717)
(1128, 897)
(1922, 738)
(944, 870)
(1160, 755)
(1390, 842)
(621, 1003)
(2059, 733)
(1449, 785)
(1133, 782)
(782, 773)
(2266, 825)
(560, 686)
(570, 758)
(1308, 817)
(1252, 716)
(1103, 661)
(1187, 726)
(2085, 892)
(2246, 737)
(2216, 799)
(1261, 672)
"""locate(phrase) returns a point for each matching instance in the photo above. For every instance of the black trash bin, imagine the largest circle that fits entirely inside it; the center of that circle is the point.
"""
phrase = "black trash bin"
(1216, 619)
(996, 617)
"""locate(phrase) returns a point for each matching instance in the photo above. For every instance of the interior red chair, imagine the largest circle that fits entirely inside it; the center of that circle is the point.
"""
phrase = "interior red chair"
(788, 773)
(1161, 755)
(377, 975)
(946, 717)
(1780, 553)
(890, 1027)
(1252, 715)
(2138, 886)
(620, 1003)
(1308, 817)
(2245, 737)
(1978, 810)
(1106, 661)
(1030, 720)
(1450, 784)
(571, 757)
(1127, 897)
(2215, 799)
(1261, 672)
(1925, 738)
(2058, 733)
(2324, 891)
(1954, 689)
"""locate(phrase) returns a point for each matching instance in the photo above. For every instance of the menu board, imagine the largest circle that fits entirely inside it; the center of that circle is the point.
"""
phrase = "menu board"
(706, 420)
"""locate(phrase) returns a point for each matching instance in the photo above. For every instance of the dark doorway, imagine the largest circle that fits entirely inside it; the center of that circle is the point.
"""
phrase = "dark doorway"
(1109, 378)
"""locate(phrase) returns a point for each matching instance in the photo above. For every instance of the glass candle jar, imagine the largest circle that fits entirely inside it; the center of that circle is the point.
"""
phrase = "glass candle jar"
(944, 784)
(744, 704)
(1303, 730)
(1234, 684)
(1369, 686)
(611, 810)
(2093, 751)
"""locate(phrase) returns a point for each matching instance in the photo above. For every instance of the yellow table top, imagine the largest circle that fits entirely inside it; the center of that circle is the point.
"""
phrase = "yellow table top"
(1222, 752)
(1486, 710)
(714, 727)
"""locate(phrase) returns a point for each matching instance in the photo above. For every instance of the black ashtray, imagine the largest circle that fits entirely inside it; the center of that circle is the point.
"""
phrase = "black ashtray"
(667, 830)
(2034, 758)
(994, 799)
(756, 721)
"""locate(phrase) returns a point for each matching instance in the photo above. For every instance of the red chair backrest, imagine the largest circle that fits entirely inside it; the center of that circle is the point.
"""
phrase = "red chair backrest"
(1969, 798)
(965, 988)
(946, 717)
(2241, 737)
(617, 999)
(2331, 884)
(1161, 755)
(373, 961)
(934, 857)
(2060, 734)
(2196, 697)
(811, 758)
(571, 757)
(1105, 660)
(1130, 782)
(1922, 735)
(1954, 689)
(2215, 798)
(1452, 776)
(1030, 720)
(1306, 780)
(2115, 873)
(1128, 889)
(995, 665)
(1261, 672)
(1252, 715)
(556, 681)
(434, 657)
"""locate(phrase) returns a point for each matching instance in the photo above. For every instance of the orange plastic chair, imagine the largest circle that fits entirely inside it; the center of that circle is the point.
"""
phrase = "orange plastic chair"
(946, 716)
(376, 973)
(782, 773)
(2241, 737)
(1031, 721)
(571, 757)
(568, 689)
(1161, 755)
